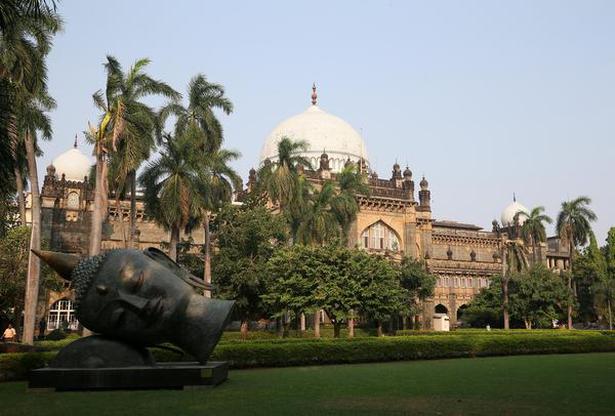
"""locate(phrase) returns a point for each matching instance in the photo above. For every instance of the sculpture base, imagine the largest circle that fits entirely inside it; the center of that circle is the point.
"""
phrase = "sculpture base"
(161, 376)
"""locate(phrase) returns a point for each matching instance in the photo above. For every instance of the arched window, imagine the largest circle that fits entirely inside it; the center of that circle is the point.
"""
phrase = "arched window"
(60, 312)
(440, 308)
(72, 201)
(380, 236)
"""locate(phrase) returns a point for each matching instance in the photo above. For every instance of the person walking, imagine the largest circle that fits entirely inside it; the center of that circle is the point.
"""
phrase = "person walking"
(9, 334)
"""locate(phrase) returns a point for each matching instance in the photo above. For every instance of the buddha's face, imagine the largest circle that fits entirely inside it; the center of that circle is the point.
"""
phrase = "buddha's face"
(135, 298)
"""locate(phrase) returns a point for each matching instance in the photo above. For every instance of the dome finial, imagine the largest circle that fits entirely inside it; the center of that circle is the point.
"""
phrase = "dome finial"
(314, 95)
(75, 144)
(514, 197)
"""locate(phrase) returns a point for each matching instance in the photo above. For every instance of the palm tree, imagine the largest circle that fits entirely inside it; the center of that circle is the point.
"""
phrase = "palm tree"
(279, 180)
(198, 117)
(198, 123)
(25, 40)
(345, 207)
(533, 229)
(131, 125)
(319, 223)
(173, 187)
(220, 180)
(513, 255)
(573, 226)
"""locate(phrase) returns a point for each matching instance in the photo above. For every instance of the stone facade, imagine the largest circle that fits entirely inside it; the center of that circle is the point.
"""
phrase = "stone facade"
(391, 222)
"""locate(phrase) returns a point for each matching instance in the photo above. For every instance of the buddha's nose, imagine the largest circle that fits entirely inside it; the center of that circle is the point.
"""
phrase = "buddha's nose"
(133, 301)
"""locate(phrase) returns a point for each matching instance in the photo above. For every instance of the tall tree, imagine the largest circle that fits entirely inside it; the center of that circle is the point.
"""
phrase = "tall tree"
(25, 41)
(345, 207)
(418, 282)
(220, 180)
(198, 122)
(533, 229)
(280, 180)
(173, 187)
(247, 238)
(130, 125)
(513, 255)
(573, 227)
(318, 224)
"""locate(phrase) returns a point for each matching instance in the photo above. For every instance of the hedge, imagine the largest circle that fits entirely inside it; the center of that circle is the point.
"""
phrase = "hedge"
(294, 352)
(360, 350)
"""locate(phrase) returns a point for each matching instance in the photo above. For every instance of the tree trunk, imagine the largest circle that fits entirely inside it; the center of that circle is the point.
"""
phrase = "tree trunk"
(337, 329)
(243, 329)
(317, 324)
(120, 216)
(608, 303)
(505, 303)
(34, 265)
(21, 201)
(173, 242)
(133, 207)
(302, 323)
(379, 328)
(505, 287)
(350, 327)
(285, 325)
(207, 253)
(100, 202)
(571, 244)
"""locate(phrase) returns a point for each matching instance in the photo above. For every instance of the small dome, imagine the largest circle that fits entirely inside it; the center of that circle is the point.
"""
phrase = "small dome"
(319, 130)
(73, 164)
(508, 215)
(407, 173)
(424, 184)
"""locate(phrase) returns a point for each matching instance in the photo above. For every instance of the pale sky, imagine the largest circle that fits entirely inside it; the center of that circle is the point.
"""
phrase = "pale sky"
(485, 98)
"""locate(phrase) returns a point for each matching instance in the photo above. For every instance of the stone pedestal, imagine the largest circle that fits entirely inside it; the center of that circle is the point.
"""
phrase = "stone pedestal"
(161, 376)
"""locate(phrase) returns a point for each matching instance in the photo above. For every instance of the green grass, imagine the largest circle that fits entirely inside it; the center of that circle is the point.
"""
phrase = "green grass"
(518, 385)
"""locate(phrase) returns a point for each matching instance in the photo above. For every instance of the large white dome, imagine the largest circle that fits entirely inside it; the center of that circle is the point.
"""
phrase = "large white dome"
(73, 164)
(508, 215)
(322, 132)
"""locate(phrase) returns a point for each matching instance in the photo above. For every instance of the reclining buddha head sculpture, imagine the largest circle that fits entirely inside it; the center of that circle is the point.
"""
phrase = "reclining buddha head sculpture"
(143, 298)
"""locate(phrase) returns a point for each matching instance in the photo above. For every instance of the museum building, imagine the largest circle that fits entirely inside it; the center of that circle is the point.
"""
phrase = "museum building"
(394, 220)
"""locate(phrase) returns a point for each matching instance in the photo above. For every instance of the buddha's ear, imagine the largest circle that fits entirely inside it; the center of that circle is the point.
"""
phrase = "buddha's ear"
(160, 257)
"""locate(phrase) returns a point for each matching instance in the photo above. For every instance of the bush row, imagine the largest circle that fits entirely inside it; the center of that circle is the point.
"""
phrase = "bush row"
(327, 351)
(293, 352)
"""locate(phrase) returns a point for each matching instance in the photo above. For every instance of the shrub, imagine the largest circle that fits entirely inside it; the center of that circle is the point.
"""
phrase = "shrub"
(427, 345)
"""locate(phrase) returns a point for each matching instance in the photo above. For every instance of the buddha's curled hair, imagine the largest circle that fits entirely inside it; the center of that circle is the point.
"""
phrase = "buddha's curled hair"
(83, 276)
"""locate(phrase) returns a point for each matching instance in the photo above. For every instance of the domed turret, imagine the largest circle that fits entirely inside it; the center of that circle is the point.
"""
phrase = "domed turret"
(319, 130)
(407, 173)
(508, 215)
(73, 164)
(424, 184)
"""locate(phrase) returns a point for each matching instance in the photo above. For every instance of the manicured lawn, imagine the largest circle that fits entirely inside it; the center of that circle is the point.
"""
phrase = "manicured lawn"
(517, 385)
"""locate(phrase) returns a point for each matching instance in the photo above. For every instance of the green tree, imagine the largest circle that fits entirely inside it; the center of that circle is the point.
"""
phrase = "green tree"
(533, 229)
(604, 288)
(25, 41)
(294, 280)
(418, 282)
(173, 186)
(514, 260)
(344, 205)
(281, 183)
(198, 123)
(590, 269)
(318, 223)
(536, 296)
(380, 296)
(247, 238)
(574, 227)
(128, 123)
(14, 253)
